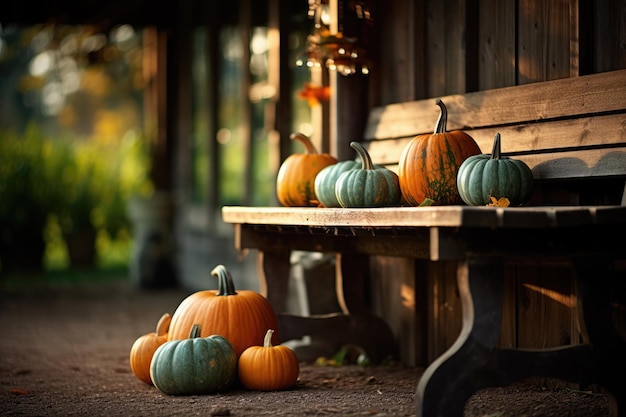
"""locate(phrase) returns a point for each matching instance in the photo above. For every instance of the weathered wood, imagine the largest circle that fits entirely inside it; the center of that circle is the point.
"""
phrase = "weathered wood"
(370, 221)
(439, 394)
(565, 98)
(496, 44)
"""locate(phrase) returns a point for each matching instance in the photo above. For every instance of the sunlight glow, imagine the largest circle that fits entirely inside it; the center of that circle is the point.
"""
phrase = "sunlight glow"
(41, 64)
(566, 300)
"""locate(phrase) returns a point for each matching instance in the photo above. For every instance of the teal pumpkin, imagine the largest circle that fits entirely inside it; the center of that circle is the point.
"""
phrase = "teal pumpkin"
(368, 186)
(326, 180)
(481, 177)
(198, 365)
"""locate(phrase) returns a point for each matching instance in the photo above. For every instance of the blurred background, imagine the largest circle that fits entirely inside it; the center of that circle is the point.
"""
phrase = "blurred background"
(90, 154)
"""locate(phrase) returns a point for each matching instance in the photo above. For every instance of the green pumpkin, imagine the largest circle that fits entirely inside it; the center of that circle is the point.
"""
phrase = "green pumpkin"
(369, 186)
(198, 365)
(327, 178)
(481, 177)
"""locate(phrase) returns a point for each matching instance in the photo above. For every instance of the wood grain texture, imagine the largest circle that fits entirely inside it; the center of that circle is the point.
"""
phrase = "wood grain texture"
(566, 98)
(369, 220)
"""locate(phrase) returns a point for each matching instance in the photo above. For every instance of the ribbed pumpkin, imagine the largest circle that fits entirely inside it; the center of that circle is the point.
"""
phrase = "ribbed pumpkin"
(327, 178)
(144, 347)
(429, 163)
(368, 186)
(481, 177)
(268, 367)
(295, 182)
(242, 316)
(197, 365)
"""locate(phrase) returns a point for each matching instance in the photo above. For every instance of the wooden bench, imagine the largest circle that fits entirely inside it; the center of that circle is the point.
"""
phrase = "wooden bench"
(572, 133)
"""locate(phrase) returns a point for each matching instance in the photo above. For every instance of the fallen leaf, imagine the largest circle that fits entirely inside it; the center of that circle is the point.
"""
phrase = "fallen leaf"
(18, 391)
(502, 202)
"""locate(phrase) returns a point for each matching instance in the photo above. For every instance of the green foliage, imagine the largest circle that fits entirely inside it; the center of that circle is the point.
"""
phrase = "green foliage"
(52, 187)
(25, 172)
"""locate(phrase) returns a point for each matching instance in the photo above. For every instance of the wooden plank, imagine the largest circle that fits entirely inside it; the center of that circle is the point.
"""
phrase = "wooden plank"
(393, 297)
(566, 98)
(534, 35)
(597, 147)
(496, 44)
(392, 219)
(576, 135)
(546, 307)
(397, 57)
(455, 46)
(580, 164)
(574, 38)
(445, 307)
(435, 61)
(609, 36)
(558, 39)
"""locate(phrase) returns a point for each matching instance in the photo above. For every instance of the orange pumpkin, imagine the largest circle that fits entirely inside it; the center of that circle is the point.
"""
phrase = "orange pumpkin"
(429, 164)
(295, 182)
(242, 317)
(268, 367)
(144, 347)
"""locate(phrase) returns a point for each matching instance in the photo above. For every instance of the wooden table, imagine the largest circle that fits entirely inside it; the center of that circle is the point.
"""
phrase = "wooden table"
(480, 239)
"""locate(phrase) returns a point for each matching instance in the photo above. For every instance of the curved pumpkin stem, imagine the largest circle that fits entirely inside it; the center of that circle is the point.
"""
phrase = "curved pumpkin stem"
(225, 285)
(366, 160)
(442, 121)
(196, 331)
(163, 324)
(267, 341)
(300, 137)
(495, 152)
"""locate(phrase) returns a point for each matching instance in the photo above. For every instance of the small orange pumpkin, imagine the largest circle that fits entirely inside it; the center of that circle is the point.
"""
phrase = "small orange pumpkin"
(268, 367)
(144, 347)
(429, 164)
(242, 317)
(295, 182)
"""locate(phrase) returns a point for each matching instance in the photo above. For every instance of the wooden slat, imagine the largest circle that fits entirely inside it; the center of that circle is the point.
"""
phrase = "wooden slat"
(443, 216)
(575, 164)
(496, 44)
(577, 147)
(579, 164)
(584, 133)
(566, 98)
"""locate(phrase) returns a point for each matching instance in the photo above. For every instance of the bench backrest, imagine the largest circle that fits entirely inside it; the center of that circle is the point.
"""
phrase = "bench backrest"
(573, 128)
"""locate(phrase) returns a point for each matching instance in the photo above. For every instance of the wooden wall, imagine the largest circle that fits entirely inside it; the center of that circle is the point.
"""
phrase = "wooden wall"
(433, 48)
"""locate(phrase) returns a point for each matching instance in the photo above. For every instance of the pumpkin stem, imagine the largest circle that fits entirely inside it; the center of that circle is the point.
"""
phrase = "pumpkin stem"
(442, 121)
(196, 331)
(225, 284)
(495, 152)
(300, 137)
(366, 160)
(267, 341)
(164, 324)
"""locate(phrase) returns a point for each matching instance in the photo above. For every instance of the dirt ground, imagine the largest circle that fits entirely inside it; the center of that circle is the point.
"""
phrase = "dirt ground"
(64, 351)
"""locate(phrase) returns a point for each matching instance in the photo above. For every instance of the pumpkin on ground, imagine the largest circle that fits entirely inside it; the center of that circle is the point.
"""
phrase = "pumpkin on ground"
(482, 177)
(429, 163)
(268, 367)
(144, 347)
(295, 182)
(240, 316)
(197, 365)
(326, 179)
(368, 186)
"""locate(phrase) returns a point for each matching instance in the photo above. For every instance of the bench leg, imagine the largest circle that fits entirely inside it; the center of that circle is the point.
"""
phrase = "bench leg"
(452, 378)
(473, 362)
